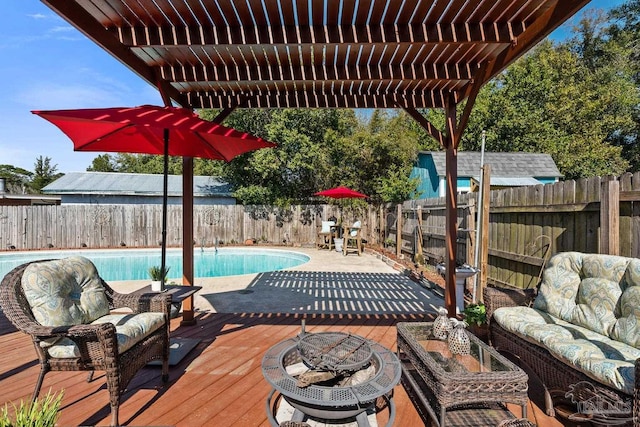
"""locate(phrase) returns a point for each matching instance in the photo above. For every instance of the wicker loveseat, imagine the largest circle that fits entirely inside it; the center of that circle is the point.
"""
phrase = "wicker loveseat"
(66, 308)
(579, 333)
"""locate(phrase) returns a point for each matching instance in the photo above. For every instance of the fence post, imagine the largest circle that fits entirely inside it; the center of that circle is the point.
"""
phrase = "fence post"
(419, 236)
(382, 223)
(610, 217)
(399, 230)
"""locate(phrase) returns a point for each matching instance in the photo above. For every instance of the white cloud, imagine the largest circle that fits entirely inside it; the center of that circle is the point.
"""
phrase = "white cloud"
(62, 29)
(44, 96)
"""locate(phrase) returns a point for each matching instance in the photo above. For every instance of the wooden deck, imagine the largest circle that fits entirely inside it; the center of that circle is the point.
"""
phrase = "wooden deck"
(218, 384)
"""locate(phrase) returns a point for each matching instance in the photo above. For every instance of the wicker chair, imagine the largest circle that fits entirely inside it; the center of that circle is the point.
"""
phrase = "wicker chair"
(96, 346)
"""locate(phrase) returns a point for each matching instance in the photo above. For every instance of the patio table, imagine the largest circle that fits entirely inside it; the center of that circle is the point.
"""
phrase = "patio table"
(179, 347)
(441, 381)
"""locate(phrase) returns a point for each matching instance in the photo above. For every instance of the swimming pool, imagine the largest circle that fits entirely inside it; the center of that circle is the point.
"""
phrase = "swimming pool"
(133, 264)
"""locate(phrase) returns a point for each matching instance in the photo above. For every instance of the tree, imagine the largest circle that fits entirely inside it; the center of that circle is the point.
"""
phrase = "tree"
(103, 163)
(623, 35)
(377, 159)
(553, 101)
(300, 165)
(44, 174)
(16, 179)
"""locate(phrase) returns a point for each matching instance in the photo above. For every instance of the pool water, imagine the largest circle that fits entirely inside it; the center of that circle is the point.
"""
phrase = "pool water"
(133, 264)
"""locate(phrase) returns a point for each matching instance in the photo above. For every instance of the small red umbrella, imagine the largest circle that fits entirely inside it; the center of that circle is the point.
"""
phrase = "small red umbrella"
(341, 193)
(150, 129)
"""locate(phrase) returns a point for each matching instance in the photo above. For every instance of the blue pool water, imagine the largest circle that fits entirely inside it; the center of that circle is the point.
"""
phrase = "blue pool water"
(133, 264)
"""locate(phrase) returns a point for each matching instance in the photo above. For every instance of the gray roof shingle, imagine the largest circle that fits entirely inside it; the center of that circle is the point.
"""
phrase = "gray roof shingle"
(113, 183)
(502, 164)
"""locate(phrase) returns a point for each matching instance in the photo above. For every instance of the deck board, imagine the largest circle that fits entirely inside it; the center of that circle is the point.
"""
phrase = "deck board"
(219, 383)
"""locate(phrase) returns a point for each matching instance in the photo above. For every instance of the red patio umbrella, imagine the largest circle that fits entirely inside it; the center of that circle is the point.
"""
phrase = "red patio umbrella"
(141, 130)
(150, 129)
(341, 193)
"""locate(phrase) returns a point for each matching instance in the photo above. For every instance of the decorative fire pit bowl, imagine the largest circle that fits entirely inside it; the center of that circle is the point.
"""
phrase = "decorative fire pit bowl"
(337, 354)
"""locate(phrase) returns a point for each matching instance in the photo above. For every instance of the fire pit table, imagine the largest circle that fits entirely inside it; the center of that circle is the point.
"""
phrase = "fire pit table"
(337, 359)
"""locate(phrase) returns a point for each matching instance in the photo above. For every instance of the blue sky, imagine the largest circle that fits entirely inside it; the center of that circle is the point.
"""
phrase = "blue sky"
(47, 64)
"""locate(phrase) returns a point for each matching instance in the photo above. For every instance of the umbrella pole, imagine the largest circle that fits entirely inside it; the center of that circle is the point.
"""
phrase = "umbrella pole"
(163, 262)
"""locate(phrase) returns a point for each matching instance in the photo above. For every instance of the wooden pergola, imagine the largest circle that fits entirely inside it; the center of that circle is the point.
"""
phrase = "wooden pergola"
(409, 54)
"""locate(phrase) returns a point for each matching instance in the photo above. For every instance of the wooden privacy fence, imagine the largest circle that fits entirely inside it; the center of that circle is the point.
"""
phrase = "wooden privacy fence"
(109, 226)
(527, 225)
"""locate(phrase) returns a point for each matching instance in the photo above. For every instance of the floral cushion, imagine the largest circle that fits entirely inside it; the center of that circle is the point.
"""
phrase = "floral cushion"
(65, 292)
(604, 359)
(130, 329)
(627, 328)
(597, 292)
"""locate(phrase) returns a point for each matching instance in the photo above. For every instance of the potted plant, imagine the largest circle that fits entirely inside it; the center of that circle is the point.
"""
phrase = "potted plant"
(43, 412)
(476, 317)
(158, 277)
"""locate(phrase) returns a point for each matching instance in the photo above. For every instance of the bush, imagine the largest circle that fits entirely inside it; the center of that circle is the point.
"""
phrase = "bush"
(42, 413)
(475, 314)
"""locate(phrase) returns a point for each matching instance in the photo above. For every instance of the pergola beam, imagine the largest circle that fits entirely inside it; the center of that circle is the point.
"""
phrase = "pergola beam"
(221, 35)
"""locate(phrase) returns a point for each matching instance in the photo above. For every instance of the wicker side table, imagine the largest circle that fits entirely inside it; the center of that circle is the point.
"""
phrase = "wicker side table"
(442, 381)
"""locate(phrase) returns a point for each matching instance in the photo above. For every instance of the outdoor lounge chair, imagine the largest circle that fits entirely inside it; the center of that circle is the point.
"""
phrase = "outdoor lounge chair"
(65, 307)
(326, 235)
(352, 238)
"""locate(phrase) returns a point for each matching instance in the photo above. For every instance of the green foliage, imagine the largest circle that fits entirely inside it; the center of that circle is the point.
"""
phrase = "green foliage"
(475, 314)
(152, 164)
(42, 413)
(252, 195)
(16, 179)
(44, 174)
(552, 101)
(104, 163)
(304, 161)
(155, 272)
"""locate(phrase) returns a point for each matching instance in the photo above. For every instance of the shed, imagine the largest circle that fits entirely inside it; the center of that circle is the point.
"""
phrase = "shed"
(133, 188)
(507, 170)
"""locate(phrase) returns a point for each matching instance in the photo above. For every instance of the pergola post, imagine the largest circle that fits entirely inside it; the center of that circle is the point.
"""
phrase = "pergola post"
(451, 219)
(187, 238)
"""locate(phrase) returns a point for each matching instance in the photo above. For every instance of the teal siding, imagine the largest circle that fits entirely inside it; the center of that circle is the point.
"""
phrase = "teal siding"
(425, 171)
(464, 181)
(546, 180)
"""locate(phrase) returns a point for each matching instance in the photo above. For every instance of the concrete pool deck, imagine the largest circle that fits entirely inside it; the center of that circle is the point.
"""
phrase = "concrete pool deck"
(328, 282)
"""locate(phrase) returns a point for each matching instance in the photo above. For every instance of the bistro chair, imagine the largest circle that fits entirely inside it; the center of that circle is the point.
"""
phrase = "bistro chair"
(66, 308)
(352, 238)
(325, 235)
